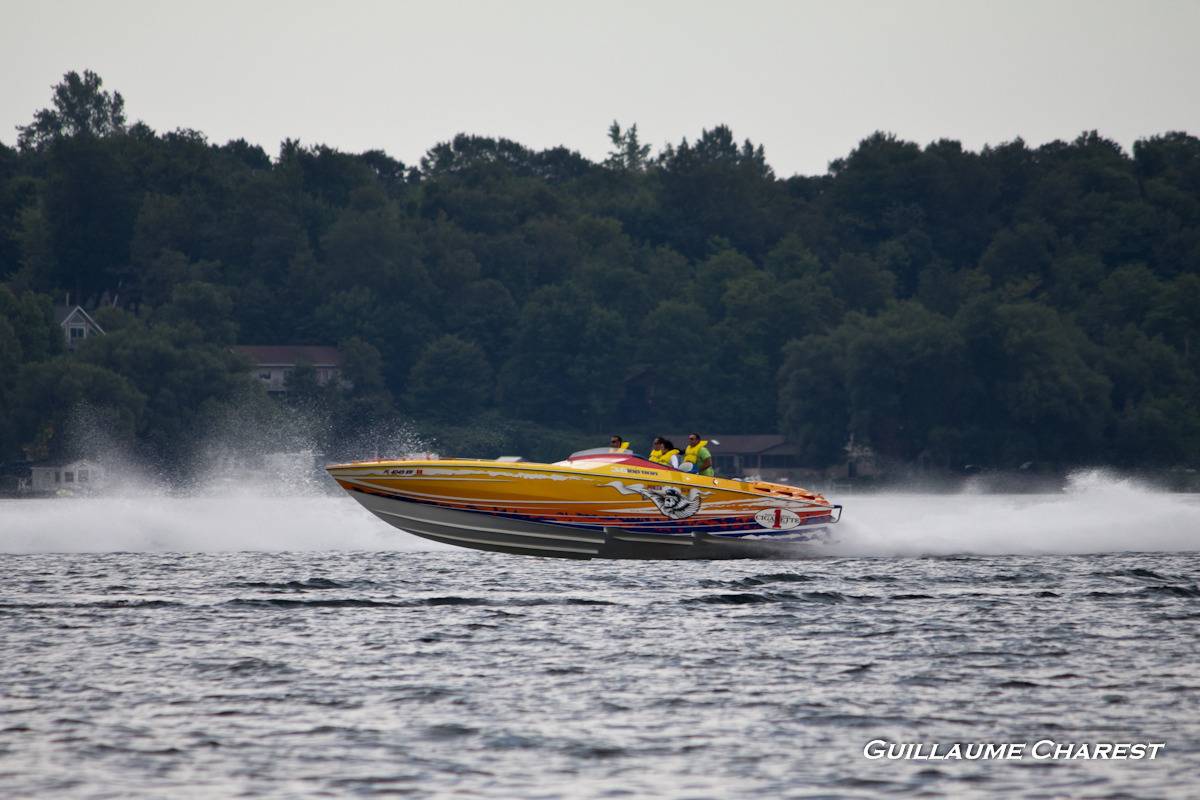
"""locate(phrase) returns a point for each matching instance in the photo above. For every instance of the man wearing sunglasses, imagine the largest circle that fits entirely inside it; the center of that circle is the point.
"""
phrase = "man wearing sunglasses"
(698, 456)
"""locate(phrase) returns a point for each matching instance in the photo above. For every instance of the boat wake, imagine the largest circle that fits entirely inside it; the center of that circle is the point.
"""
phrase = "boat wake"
(1098, 512)
(250, 518)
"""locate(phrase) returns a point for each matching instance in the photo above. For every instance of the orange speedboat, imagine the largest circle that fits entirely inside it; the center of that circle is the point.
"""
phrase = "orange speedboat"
(600, 503)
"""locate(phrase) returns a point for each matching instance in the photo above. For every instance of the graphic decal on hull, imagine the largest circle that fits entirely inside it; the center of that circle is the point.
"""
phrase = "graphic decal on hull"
(778, 518)
(668, 499)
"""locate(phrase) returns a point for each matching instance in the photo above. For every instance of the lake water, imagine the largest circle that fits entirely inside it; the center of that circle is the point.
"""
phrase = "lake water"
(253, 645)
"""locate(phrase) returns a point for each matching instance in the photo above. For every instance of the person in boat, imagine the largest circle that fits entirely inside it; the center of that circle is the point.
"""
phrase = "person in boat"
(698, 457)
(665, 453)
(617, 443)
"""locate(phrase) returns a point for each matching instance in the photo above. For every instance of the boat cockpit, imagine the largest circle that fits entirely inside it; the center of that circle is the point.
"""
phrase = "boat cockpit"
(611, 455)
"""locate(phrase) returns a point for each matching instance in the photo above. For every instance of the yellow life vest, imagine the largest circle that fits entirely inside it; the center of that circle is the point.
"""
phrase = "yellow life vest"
(624, 446)
(693, 456)
(661, 457)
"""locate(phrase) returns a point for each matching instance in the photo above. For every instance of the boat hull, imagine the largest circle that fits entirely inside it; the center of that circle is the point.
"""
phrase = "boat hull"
(522, 537)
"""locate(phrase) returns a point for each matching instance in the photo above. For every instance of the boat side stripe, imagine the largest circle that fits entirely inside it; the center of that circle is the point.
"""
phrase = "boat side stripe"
(494, 543)
(483, 529)
(765, 501)
(476, 500)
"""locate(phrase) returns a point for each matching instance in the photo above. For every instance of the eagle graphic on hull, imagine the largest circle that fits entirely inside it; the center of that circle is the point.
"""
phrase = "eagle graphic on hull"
(667, 499)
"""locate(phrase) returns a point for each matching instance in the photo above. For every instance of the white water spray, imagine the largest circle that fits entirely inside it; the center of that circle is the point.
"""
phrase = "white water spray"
(256, 486)
(1098, 512)
(288, 505)
(247, 519)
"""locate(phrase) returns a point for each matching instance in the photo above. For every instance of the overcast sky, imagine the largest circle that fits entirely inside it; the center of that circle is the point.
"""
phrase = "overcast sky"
(807, 80)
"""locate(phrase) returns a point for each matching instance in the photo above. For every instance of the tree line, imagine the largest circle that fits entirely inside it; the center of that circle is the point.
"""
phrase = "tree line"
(939, 306)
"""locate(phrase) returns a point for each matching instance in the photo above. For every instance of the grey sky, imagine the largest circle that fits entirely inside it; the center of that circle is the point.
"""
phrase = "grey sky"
(807, 80)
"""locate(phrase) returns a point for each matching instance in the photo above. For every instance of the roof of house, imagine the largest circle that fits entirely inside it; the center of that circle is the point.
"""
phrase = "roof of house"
(62, 314)
(68, 462)
(288, 355)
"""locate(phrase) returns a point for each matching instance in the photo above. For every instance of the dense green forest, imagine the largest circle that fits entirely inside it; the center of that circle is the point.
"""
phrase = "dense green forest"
(940, 306)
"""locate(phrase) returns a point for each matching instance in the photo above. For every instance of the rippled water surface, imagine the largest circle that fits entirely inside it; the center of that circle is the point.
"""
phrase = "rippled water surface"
(452, 672)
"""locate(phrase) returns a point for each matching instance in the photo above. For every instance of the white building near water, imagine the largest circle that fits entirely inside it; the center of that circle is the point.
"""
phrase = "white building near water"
(76, 325)
(77, 476)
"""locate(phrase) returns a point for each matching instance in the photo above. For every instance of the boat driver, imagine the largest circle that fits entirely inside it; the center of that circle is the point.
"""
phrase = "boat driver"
(617, 443)
(698, 457)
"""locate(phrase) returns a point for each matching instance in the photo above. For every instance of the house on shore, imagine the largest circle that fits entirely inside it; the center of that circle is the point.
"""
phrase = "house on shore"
(80, 475)
(76, 325)
(272, 364)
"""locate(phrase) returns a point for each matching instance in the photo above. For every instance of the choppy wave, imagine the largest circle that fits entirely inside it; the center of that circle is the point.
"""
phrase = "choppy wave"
(508, 677)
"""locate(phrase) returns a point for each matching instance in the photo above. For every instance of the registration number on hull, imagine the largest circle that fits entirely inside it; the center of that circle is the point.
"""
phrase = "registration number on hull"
(779, 519)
